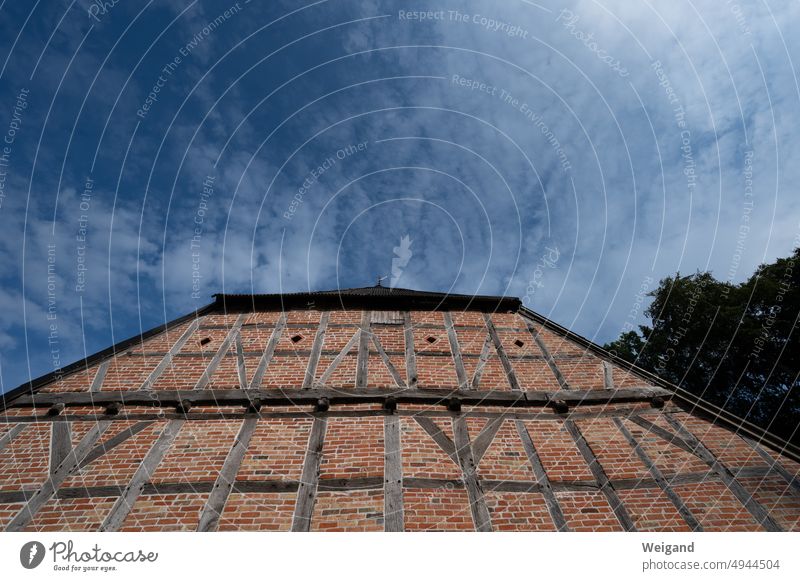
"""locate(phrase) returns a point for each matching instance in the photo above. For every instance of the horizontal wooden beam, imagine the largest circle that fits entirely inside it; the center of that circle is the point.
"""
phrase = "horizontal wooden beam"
(375, 483)
(296, 396)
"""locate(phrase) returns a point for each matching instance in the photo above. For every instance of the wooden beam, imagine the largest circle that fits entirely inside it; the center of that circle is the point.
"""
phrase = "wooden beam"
(99, 376)
(266, 357)
(501, 352)
(141, 477)
(758, 512)
(9, 436)
(551, 363)
(60, 443)
(793, 482)
(393, 518)
(307, 491)
(113, 442)
(362, 362)
(290, 395)
(608, 375)
(600, 476)
(663, 434)
(205, 379)
(411, 355)
(469, 470)
(550, 499)
(485, 438)
(388, 362)
(316, 350)
(26, 514)
(446, 444)
(212, 511)
(241, 370)
(484, 357)
(660, 479)
(326, 375)
(455, 349)
(166, 361)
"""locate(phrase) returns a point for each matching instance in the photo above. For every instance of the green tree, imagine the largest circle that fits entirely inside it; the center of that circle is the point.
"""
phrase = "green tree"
(735, 345)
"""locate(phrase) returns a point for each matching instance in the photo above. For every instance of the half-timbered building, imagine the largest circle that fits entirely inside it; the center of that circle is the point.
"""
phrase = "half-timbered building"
(378, 409)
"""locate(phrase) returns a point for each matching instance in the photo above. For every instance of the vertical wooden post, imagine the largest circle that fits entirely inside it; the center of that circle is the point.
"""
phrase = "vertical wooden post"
(477, 503)
(392, 475)
(307, 490)
(363, 349)
(59, 475)
(411, 356)
(60, 443)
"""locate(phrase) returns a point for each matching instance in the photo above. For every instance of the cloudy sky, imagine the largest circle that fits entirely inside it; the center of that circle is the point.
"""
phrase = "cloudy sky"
(571, 154)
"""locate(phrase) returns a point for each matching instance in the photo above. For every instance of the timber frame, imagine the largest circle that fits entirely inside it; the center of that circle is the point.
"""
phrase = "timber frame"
(397, 402)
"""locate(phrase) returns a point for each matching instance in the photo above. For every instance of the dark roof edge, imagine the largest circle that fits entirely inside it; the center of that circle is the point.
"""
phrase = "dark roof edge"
(685, 399)
(399, 301)
(31, 386)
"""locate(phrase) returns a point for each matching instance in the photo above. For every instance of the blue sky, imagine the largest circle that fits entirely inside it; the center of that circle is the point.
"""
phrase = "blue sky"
(568, 153)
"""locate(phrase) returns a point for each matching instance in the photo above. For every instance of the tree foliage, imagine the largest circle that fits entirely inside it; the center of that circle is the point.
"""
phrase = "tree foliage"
(735, 345)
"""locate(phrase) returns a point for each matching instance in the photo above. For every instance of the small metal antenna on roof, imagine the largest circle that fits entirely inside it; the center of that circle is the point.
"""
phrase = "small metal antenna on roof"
(381, 278)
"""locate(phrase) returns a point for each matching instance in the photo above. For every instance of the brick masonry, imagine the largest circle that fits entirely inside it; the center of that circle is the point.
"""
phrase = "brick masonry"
(433, 492)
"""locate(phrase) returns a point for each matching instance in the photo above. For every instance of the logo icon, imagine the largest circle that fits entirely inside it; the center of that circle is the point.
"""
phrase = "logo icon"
(402, 254)
(31, 554)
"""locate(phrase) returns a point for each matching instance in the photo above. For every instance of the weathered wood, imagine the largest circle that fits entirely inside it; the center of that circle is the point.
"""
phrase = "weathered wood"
(755, 508)
(9, 436)
(662, 433)
(166, 361)
(484, 357)
(60, 443)
(793, 482)
(362, 362)
(658, 476)
(393, 520)
(241, 370)
(316, 350)
(59, 475)
(551, 363)
(307, 491)
(326, 375)
(550, 499)
(599, 474)
(388, 362)
(112, 443)
(291, 395)
(446, 444)
(133, 490)
(100, 375)
(215, 504)
(455, 349)
(469, 470)
(484, 439)
(411, 354)
(266, 357)
(608, 375)
(501, 352)
(208, 372)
